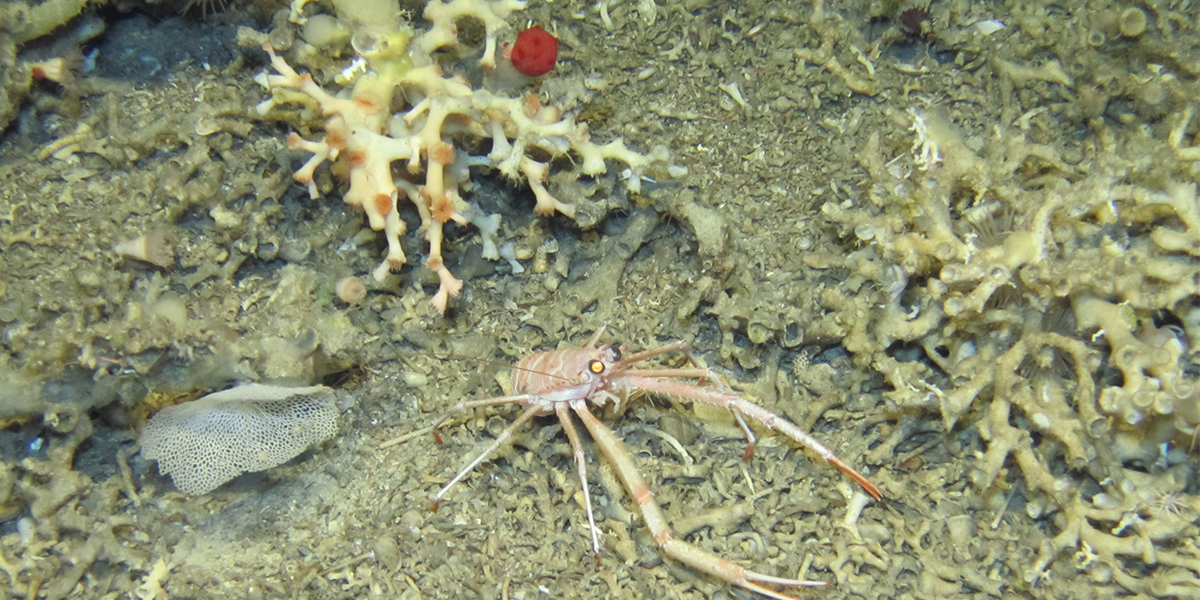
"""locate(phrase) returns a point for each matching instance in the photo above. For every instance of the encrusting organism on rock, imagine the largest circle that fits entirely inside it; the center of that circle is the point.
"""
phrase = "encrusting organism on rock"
(206, 442)
(365, 134)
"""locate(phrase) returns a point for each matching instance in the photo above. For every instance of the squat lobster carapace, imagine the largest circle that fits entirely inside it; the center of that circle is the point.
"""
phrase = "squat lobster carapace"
(566, 381)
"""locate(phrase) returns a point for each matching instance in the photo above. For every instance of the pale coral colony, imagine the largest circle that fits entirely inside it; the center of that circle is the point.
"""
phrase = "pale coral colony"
(394, 63)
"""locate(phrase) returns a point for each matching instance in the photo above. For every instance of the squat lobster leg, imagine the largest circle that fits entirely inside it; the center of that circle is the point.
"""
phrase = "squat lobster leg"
(656, 380)
(530, 412)
(565, 382)
(581, 464)
(614, 450)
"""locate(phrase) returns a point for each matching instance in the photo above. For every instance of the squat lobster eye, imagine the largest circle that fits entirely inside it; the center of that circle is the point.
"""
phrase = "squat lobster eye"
(596, 366)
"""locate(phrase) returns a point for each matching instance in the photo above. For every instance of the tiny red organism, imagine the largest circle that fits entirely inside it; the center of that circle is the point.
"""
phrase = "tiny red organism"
(535, 52)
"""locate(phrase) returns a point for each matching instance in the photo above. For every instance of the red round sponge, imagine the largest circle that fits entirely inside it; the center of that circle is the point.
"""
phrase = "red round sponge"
(534, 52)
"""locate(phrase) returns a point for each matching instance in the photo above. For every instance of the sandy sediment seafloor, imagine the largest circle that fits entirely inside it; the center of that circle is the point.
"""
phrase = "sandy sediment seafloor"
(965, 261)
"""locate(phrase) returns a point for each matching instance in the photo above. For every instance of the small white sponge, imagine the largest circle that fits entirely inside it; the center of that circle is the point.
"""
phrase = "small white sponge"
(206, 442)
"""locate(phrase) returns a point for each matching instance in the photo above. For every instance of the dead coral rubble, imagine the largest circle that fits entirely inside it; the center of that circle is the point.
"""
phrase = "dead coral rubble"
(1055, 312)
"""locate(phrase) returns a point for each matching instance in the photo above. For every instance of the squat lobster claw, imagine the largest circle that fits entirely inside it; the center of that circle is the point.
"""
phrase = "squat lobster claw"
(567, 380)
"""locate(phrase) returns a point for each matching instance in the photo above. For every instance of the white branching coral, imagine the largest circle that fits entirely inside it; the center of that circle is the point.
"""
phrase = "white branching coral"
(362, 131)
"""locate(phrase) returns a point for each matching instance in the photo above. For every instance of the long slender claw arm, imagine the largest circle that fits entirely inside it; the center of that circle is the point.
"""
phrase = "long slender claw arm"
(630, 359)
(769, 419)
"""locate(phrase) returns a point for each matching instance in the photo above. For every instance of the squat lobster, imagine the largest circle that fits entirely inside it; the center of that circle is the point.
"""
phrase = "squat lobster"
(568, 379)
